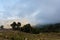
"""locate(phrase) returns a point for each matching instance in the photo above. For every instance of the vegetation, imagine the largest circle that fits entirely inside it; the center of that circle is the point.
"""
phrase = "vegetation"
(16, 26)
(46, 32)
(26, 28)
(35, 30)
(13, 25)
(18, 35)
(29, 29)
(2, 27)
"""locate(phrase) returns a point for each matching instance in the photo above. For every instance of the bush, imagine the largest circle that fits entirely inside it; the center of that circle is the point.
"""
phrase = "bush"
(27, 28)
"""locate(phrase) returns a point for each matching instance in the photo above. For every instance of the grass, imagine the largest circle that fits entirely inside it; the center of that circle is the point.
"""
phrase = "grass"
(18, 35)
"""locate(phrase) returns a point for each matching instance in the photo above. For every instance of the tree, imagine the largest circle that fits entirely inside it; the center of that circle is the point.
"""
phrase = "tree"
(1, 26)
(27, 28)
(18, 25)
(13, 25)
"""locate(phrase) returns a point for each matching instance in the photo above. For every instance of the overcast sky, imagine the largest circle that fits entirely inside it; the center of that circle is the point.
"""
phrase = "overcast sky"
(36, 11)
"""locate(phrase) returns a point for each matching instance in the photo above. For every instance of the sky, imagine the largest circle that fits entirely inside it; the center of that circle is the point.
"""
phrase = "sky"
(35, 11)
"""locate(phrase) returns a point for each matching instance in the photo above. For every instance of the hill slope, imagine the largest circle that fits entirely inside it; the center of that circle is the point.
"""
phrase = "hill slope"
(17, 35)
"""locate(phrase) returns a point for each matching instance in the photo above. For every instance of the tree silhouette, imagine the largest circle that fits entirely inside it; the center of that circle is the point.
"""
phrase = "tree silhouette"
(27, 28)
(13, 25)
(18, 25)
(1, 26)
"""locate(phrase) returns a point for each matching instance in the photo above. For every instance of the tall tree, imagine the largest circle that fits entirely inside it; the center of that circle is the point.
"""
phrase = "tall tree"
(13, 25)
(18, 25)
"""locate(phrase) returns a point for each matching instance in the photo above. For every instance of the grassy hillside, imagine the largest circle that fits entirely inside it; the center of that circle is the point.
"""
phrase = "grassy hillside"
(17, 35)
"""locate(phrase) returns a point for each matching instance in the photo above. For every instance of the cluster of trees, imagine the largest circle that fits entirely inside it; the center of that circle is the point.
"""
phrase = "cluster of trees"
(15, 26)
(50, 28)
(27, 28)
(35, 30)
(54, 27)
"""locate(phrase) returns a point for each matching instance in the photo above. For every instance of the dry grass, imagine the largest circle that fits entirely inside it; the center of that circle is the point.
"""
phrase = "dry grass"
(17, 35)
